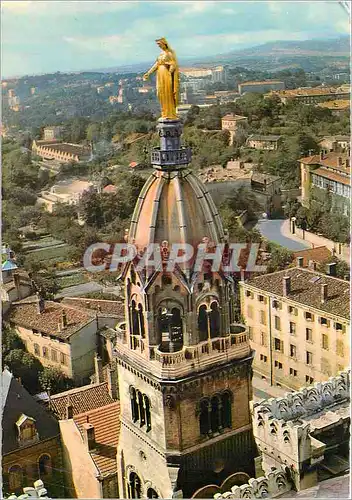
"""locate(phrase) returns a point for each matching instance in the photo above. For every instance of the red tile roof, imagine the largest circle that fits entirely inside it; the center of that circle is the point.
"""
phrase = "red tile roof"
(104, 307)
(110, 189)
(329, 160)
(333, 176)
(317, 254)
(106, 422)
(25, 313)
(83, 399)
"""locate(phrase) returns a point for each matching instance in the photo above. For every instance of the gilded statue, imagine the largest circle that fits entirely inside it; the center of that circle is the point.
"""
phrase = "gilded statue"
(167, 79)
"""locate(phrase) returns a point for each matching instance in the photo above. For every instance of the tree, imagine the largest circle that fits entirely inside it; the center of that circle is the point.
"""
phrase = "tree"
(25, 366)
(10, 341)
(54, 380)
(280, 258)
(342, 268)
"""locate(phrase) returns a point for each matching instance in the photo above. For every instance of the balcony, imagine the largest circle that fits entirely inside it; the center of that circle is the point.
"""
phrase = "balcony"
(171, 158)
(190, 358)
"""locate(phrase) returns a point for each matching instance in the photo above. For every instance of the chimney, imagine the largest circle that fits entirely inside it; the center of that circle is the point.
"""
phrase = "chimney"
(324, 293)
(111, 379)
(339, 161)
(98, 364)
(322, 156)
(89, 435)
(331, 269)
(40, 303)
(347, 163)
(69, 409)
(300, 261)
(312, 265)
(242, 275)
(286, 282)
(63, 319)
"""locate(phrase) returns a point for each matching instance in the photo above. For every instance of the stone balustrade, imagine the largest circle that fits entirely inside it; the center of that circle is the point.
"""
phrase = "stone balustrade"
(272, 485)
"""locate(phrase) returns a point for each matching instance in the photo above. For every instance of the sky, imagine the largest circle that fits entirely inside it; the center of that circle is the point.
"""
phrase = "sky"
(48, 36)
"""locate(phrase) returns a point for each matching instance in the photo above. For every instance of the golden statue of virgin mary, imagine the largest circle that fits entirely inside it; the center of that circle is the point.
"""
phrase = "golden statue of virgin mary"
(167, 79)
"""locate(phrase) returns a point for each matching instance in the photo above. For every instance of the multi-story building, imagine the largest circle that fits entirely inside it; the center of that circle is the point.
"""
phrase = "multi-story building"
(260, 87)
(311, 95)
(59, 335)
(335, 144)
(31, 446)
(89, 420)
(217, 73)
(62, 152)
(195, 84)
(234, 124)
(53, 133)
(184, 364)
(68, 191)
(263, 142)
(299, 325)
(328, 173)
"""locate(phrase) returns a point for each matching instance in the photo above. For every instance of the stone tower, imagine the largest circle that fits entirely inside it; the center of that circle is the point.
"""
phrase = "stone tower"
(184, 366)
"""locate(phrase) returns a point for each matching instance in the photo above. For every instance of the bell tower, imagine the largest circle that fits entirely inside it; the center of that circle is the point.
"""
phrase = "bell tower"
(184, 365)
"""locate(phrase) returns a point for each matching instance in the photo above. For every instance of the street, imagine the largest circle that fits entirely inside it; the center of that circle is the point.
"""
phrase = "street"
(272, 230)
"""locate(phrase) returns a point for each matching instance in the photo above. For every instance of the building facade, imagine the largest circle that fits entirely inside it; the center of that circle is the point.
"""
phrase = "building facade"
(235, 124)
(263, 142)
(61, 151)
(31, 445)
(328, 174)
(299, 325)
(311, 95)
(260, 87)
(184, 365)
(58, 335)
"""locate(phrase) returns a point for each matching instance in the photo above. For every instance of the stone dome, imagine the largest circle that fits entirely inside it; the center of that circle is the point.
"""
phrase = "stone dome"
(176, 207)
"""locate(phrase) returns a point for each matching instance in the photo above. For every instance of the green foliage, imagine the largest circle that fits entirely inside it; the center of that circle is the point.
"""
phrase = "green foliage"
(54, 380)
(280, 258)
(10, 341)
(342, 268)
(25, 366)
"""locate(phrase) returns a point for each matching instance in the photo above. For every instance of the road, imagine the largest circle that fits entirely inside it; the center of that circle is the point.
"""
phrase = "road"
(271, 230)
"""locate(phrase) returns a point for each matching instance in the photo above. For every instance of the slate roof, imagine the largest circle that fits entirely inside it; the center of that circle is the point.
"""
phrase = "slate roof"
(317, 254)
(306, 289)
(19, 401)
(106, 422)
(25, 313)
(82, 399)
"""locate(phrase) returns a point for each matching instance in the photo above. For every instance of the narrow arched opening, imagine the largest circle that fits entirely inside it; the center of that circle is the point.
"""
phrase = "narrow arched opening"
(214, 320)
(134, 486)
(151, 493)
(204, 421)
(226, 409)
(134, 404)
(215, 414)
(141, 320)
(141, 409)
(44, 465)
(203, 323)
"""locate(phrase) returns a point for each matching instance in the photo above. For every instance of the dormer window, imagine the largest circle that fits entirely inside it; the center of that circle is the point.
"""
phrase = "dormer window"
(27, 431)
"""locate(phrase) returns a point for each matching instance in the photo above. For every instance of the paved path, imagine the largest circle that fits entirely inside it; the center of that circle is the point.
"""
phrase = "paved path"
(273, 231)
(263, 390)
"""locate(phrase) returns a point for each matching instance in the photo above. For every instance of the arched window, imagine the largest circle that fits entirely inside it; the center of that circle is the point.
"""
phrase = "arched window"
(147, 413)
(44, 465)
(215, 414)
(141, 409)
(134, 318)
(151, 493)
(134, 486)
(203, 323)
(15, 477)
(134, 404)
(36, 350)
(204, 418)
(176, 327)
(141, 320)
(226, 409)
(133, 275)
(214, 320)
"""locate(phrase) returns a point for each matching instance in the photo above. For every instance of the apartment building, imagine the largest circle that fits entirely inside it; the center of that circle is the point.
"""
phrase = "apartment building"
(311, 95)
(58, 335)
(51, 149)
(263, 142)
(329, 173)
(299, 325)
(260, 87)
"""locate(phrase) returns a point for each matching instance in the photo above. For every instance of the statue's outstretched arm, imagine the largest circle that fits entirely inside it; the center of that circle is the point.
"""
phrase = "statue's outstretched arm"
(151, 71)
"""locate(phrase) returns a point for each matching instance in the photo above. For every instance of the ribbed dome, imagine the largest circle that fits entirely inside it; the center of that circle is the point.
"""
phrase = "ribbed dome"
(175, 207)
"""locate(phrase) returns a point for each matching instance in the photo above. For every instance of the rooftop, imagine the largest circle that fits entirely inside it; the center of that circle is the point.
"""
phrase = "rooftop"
(233, 117)
(264, 178)
(16, 401)
(65, 147)
(261, 82)
(311, 91)
(106, 422)
(306, 289)
(82, 399)
(106, 307)
(25, 313)
(264, 137)
(333, 176)
(329, 160)
(338, 104)
(344, 138)
(317, 254)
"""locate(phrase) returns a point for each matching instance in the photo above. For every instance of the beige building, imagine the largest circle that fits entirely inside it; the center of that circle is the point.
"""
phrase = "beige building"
(60, 336)
(53, 133)
(234, 124)
(51, 149)
(263, 142)
(335, 143)
(299, 325)
(311, 95)
(260, 87)
(89, 419)
(66, 191)
(336, 107)
(327, 173)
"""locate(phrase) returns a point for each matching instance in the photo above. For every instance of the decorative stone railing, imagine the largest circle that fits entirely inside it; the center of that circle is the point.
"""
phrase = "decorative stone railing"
(273, 485)
(308, 400)
(29, 492)
(171, 158)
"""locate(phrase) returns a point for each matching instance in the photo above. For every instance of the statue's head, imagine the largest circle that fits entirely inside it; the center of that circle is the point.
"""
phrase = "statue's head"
(162, 43)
